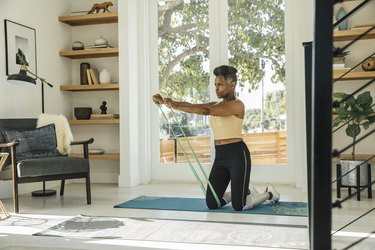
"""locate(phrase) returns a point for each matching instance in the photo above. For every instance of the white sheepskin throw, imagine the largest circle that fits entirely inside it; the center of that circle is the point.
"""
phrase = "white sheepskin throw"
(64, 135)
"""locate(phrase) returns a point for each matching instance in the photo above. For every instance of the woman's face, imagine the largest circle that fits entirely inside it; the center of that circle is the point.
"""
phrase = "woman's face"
(223, 87)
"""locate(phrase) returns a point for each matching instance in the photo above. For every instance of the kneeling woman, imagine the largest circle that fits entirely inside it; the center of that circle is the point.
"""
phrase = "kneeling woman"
(232, 157)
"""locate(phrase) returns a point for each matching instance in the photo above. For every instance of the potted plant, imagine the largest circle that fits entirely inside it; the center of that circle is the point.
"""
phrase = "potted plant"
(339, 57)
(357, 113)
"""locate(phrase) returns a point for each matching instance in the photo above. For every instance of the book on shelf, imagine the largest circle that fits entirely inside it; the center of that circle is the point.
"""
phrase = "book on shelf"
(97, 47)
(88, 76)
(94, 76)
(363, 26)
(341, 70)
(104, 116)
(338, 65)
(79, 12)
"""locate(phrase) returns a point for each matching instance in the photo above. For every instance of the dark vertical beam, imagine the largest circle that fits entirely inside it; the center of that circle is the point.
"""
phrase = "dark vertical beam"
(308, 110)
(321, 214)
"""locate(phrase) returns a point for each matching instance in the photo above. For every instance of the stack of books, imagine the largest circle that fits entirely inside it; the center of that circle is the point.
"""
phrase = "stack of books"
(98, 46)
(104, 116)
(92, 76)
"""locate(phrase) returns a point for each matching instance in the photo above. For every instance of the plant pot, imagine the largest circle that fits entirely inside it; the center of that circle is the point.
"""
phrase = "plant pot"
(351, 178)
(339, 60)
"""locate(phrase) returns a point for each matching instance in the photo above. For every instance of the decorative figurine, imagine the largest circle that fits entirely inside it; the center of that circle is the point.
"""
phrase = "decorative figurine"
(100, 6)
(103, 108)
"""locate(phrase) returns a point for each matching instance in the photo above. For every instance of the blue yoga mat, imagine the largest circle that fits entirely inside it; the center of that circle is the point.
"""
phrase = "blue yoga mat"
(283, 208)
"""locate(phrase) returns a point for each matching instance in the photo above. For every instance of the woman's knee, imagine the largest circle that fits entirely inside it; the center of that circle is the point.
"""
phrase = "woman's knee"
(238, 206)
(211, 203)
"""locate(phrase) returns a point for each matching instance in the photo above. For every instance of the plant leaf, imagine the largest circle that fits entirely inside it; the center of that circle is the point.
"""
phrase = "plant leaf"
(353, 130)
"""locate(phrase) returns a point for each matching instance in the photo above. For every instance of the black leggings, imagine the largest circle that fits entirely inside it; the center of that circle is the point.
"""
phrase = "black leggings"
(232, 163)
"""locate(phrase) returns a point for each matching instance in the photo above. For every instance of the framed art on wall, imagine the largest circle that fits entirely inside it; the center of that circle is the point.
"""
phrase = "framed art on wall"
(20, 47)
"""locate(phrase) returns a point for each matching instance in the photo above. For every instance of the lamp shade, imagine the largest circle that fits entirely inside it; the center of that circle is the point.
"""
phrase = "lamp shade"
(21, 79)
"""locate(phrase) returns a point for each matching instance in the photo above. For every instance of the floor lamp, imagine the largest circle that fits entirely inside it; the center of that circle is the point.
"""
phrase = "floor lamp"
(21, 78)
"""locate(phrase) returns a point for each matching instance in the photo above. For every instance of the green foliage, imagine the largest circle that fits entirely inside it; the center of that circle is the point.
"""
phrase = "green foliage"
(252, 120)
(256, 32)
(356, 112)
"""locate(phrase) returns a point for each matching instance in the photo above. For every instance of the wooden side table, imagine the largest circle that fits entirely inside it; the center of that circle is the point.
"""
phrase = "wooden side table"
(3, 157)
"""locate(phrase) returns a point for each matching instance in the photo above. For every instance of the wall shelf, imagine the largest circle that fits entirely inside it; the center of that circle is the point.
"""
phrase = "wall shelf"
(89, 53)
(94, 122)
(348, 35)
(107, 156)
(359, 157)
(93, 87)
(89, 19)
(354, 75)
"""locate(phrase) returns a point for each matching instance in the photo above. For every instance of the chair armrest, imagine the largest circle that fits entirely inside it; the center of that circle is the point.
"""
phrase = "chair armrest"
(9, 144)
(85, 145)
(91, 140)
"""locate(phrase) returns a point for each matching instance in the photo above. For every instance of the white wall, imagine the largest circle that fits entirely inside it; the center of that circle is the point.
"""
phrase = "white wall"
(26, 102)
(51, 36)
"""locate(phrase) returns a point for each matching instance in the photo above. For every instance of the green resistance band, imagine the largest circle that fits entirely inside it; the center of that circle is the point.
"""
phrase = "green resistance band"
(195, 156)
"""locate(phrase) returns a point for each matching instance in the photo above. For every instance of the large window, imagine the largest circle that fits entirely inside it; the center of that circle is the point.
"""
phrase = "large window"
(183, 74)
(257, 49)
(255, 46)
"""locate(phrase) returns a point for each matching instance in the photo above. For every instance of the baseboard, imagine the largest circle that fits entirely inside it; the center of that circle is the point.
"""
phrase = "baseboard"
(7, 189)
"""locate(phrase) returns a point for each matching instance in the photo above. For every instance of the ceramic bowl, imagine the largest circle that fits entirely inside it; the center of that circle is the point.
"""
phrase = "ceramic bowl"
(82, 113)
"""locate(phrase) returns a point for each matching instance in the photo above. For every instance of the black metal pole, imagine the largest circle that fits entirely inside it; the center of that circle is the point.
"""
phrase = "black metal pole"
(42, 84)
(308, 91)
(44, 191)
(321, 213)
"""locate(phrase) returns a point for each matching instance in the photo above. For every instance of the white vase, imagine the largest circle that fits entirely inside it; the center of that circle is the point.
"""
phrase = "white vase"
(104, 76)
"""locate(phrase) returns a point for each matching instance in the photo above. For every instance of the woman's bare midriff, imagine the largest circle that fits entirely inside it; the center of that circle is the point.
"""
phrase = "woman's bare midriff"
(227, 141)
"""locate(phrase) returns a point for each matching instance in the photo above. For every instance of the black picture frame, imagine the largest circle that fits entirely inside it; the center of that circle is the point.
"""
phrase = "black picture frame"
(20, 47)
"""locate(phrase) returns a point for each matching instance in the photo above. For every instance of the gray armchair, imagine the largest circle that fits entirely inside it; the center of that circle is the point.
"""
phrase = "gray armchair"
(40, 167)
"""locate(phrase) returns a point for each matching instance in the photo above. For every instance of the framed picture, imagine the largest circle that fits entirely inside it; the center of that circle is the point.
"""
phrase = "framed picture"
(20, 47)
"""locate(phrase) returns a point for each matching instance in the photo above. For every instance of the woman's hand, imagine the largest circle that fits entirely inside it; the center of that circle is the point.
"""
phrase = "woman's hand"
(158, 99)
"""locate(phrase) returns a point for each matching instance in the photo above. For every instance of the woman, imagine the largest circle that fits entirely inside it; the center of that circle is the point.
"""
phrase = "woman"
(232, 159)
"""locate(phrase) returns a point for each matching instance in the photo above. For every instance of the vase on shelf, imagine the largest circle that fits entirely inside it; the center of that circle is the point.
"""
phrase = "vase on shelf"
(83, 73)
(105, 76)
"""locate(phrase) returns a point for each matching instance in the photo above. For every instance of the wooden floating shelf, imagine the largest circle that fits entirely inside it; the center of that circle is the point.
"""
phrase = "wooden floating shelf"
(359, 157)
(348, 35)
(89, 53)
(354, 75)
(94, 122)
(88, 19)
(107, 156)
(93, 87)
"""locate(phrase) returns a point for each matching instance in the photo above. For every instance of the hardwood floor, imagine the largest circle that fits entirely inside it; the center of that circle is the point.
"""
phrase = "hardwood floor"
(105, 196)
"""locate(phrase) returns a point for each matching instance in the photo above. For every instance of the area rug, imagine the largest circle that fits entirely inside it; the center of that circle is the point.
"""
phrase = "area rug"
(199, 205)
(181, 231)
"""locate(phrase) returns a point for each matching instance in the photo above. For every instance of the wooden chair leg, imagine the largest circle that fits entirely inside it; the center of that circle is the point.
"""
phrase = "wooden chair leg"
(88, 189)
(4, 211)
(15, 197)
(62, 187)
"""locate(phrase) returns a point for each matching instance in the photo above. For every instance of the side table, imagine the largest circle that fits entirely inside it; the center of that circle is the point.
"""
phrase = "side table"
(3, 157)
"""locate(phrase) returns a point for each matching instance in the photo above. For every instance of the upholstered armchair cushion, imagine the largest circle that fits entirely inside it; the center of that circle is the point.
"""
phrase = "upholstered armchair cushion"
(35, 143)
(52, 166)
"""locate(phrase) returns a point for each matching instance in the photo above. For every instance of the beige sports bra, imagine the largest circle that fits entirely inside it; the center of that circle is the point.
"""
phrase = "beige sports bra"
(226, 127)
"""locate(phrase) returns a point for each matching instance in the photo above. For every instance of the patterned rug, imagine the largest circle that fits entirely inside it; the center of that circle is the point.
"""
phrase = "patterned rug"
(199, 205)
(181, 231)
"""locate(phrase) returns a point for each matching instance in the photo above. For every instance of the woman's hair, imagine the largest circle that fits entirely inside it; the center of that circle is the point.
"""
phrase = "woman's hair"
(227, 72)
